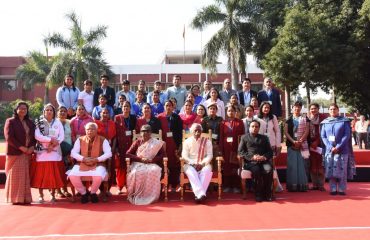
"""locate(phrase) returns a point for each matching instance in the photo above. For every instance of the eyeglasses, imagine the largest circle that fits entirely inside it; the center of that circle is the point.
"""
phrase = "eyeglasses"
(227, 82)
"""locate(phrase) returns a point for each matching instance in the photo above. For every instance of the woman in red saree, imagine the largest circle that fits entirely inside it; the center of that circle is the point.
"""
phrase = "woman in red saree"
(230, 130)
(125, 124)
(172, 134)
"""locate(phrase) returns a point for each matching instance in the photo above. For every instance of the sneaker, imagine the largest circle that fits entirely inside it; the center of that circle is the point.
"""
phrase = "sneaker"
(85, 198)
(227, 190)
(94, 198)
(236, 190)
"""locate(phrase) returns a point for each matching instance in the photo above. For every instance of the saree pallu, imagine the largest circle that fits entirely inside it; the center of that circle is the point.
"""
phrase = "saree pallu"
(17, 186)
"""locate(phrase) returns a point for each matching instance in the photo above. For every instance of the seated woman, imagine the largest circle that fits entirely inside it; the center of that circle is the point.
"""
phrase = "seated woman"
(143, 181)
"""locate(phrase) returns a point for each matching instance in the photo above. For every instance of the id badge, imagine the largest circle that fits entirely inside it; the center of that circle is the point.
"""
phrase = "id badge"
(331, 138)
(229, 139)
(214, 136)
(128, 133)
(169, 134)
(295, 135)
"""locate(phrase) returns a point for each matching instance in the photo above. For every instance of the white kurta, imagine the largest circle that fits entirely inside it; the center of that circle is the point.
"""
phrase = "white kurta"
(56, 131)
(99, 170)
(199, 180)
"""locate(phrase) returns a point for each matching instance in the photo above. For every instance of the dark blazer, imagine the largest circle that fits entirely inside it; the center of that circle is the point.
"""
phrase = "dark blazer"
(15, 135)
(250, 146)
(241, 97)
(274, 98)
(110, 93)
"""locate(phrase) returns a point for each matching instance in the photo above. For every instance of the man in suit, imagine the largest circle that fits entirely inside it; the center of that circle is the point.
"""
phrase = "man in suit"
(257, 153)
(271, 95)
(246, 94)
(106, 90)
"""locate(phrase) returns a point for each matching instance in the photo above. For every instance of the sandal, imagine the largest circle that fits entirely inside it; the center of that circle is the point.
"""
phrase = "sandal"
(41, 199)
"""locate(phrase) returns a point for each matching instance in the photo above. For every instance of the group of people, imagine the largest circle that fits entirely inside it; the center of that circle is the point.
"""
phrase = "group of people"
(90, 135)
(361, 131)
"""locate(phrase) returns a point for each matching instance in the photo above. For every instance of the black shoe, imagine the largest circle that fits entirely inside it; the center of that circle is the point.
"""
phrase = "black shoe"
(333, 193)
(203, 199)
(259, 199)
(94, 198)
(270, 199)
(342, 193)
(85, 198)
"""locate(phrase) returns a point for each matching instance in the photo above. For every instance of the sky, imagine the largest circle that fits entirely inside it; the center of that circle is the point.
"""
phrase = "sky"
(138, 31)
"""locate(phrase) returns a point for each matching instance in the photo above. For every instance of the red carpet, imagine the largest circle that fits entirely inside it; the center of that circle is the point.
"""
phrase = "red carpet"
(312, 215)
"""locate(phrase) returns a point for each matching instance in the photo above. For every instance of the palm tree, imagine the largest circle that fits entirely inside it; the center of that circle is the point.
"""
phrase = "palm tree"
(82, 57)
(234, 38)
(36, 71)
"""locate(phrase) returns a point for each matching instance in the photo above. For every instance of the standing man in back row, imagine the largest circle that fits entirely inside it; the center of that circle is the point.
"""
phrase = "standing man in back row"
(271, 95)
(227, 91)
(247, 93)
(177, 92)
(105, 90)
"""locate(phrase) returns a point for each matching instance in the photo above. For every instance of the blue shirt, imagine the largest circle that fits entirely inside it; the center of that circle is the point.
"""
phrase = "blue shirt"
(97, 110)
(67, 97)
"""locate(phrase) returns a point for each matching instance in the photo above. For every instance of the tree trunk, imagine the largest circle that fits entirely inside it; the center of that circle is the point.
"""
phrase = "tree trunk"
(287, 102)
(46, 94)
(308, 92)
(234, 73)
(334, 96)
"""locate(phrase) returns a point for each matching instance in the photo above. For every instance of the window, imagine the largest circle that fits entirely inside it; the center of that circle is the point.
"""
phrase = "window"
(10, 84)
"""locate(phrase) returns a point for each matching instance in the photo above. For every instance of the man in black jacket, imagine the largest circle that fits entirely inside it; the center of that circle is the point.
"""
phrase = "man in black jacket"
(106, 90)
(257, 153)
(247, 93)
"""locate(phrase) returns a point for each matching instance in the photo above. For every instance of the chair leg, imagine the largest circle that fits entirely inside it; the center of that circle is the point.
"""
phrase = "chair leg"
(182, 193)
(244, 188)
(219, 191)
(165, 193)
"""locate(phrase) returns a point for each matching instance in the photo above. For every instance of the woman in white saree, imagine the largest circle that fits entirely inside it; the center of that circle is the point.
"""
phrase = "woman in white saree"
(143, 180)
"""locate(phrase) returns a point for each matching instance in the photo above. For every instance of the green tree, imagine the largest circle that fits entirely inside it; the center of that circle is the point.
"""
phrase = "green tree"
(36, 71)
(6, 109)
(82, 57)
(315, 47)
(234, 38)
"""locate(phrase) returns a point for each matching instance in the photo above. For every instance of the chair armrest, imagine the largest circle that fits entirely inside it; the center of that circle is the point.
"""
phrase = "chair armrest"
(128, 164)
(165, 164)
(219, 160)
(182, 163)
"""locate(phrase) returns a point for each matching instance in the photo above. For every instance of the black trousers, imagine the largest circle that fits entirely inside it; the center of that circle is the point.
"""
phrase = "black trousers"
(262, 176)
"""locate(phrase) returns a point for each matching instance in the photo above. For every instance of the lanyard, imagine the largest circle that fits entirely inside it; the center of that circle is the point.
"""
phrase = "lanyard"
(79, 122)
(169, 120)
(213, 125)
(230, 127)
(267, 124)
(127, 122)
